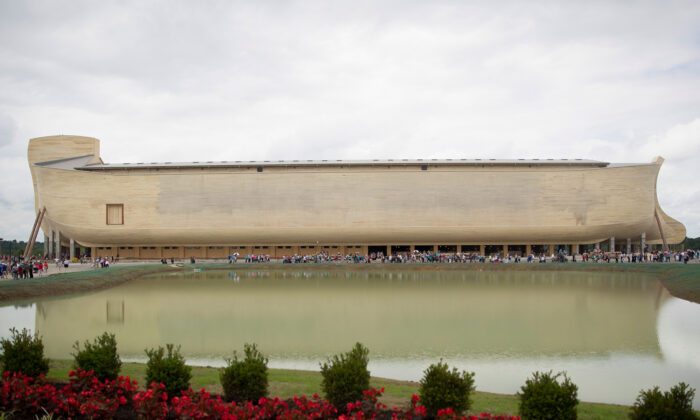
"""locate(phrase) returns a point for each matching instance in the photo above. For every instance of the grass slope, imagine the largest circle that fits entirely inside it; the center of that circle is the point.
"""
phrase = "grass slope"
(285, 383)
(76, 282)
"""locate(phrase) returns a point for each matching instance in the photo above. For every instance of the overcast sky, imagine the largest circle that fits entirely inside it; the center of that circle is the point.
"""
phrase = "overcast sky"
(221, 80)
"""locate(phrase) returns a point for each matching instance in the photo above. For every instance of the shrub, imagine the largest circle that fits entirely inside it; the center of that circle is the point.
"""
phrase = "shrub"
(169, 370)
(345, 376)
(23, 353)
(674, 404)
(101, 357)
(545, 397)
(441, 388)
(245, 380)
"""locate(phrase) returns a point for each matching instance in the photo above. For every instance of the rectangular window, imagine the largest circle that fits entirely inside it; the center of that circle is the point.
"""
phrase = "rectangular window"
(115, 214)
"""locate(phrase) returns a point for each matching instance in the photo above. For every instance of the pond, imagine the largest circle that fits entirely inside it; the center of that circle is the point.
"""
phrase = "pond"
(614, 333)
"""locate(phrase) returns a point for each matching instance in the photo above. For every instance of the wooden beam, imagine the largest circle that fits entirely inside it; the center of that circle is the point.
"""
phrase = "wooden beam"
(35, 232)
(661, 231)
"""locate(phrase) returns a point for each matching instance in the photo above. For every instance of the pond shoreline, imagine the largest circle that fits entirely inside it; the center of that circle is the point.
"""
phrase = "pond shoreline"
(681, 280)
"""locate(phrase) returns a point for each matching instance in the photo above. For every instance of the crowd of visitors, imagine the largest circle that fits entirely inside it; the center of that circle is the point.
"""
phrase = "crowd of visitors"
(17, 268)
(14, 267)
(596, 256)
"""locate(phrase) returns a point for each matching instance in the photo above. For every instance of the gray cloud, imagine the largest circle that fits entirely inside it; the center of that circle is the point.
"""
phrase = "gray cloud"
(178, 80)
(8, 128)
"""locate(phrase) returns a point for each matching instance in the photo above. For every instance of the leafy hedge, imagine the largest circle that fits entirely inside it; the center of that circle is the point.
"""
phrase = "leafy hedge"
(245, 380)
(442, 388)
(100, 356)
(169, 370)
(345, 376)
(24, 353)
(545, 396)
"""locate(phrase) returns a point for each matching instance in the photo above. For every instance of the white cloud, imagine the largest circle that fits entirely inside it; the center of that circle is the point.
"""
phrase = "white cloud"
(615, 81)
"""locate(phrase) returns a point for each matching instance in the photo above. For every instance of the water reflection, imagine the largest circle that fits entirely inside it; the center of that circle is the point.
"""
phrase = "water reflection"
(312, 314)
(614, 332)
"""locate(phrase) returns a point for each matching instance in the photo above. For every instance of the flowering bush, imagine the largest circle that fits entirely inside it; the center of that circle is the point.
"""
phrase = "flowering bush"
(152, 404)
(86, 397)
(83, 397)
(450, 414)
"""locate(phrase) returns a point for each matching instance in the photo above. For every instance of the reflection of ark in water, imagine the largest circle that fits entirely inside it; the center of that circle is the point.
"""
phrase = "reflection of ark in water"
(508, 314)
(212, 209)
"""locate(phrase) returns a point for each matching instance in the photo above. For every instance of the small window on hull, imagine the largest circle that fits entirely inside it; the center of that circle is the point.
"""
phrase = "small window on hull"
(115, 214)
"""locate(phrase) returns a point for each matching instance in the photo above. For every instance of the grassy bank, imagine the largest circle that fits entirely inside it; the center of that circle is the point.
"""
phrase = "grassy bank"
(286, 383)
(72, 283)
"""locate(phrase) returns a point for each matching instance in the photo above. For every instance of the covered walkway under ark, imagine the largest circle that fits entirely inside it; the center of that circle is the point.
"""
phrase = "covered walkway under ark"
(627, 246)
(278, 251)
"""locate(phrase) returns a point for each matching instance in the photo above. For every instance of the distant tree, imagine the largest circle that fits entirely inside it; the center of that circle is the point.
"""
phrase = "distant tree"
(16, 248)
(688, 243)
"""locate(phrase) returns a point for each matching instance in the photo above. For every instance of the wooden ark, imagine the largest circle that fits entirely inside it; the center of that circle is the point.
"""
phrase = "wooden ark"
(211, 209)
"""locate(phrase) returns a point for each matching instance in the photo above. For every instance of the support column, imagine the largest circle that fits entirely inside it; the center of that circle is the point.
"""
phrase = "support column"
(629, 246)
(505, 250)
(72, 249)
(551, 249)
(50, 240)
(597, 245)
(643, 242)
(482, 249)
(58, 244)
(574, 249)
(528, 250)
(46, 244)
(612, 244)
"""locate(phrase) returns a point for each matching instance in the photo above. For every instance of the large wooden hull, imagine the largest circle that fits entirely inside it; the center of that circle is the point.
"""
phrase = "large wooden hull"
(369, 204)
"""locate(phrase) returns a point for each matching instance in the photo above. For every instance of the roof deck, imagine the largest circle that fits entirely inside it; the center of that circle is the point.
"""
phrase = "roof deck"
(336, 163)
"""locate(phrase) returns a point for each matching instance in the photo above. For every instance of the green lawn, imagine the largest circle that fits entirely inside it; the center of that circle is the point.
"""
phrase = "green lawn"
(286, 383)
